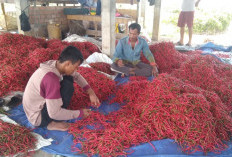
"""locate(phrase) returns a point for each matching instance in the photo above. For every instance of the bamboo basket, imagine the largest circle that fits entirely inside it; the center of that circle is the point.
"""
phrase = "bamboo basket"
(54, 31)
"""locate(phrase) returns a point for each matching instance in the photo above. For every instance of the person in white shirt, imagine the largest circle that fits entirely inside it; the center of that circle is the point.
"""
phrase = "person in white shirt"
(186, 17)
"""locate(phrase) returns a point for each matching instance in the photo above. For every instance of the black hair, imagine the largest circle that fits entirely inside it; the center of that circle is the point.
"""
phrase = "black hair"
(135, 26)
(72, 54)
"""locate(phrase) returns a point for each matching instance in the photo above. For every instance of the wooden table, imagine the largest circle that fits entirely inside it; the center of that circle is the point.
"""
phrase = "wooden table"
(96, 20)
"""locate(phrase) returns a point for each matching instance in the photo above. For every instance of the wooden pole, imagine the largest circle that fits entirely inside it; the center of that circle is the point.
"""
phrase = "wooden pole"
(138, 12)
(142, 13)
(4, 14)
(108, 26)
(156, 20)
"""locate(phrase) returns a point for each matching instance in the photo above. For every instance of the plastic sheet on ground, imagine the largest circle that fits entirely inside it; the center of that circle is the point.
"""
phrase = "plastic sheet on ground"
(209, 47)
(222, 53)
(62, 141)
(98, 57)
(77, 38)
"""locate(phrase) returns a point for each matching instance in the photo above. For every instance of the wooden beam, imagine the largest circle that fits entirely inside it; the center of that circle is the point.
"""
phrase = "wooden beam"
(138, 12)
(84, 17)
(96, 20)
(34, 3)
(4, 15)
(3, 9)
(7, 1)
(142, 12)
(126, 1)
(108, 26)
(59, 1)
(156, 20)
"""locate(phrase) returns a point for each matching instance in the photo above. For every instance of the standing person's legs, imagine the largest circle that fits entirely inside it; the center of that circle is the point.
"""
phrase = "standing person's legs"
(181, 24)
(189, 20)
(66, 91)
(143, 69)
(190, 31)
(182, 29)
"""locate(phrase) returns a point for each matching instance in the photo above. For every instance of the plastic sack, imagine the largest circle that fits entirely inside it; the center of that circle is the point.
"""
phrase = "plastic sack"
(98, 57)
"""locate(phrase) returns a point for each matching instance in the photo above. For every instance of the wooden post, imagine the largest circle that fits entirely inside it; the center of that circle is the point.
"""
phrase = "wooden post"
(156, 20)
(4, 14)
(20, 5)
(141, 13)
(108, 26)
(138, 12)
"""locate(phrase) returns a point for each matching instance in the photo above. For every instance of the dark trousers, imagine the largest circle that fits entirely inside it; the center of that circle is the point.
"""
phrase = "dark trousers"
(66, 91)
(141, 69)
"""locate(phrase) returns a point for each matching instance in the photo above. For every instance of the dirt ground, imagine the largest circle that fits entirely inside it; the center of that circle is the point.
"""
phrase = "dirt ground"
(224, 39)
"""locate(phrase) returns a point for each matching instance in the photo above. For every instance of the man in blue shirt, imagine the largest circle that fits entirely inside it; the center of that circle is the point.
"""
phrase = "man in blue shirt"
(126, 59)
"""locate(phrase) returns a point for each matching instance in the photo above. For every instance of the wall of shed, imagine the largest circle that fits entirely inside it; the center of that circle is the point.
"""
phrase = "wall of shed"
(39, 17)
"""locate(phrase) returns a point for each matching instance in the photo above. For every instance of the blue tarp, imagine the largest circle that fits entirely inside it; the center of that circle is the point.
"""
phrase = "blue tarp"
(210, 47)
(63, 141)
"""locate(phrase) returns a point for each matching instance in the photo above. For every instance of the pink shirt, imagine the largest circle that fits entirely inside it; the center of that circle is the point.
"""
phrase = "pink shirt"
(44, 87)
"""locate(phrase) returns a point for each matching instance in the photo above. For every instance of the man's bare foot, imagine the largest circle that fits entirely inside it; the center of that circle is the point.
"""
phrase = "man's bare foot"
(61, 126)
(86, 112)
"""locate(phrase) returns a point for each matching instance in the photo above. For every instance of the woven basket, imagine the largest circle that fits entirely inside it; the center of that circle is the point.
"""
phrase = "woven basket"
(54, 31)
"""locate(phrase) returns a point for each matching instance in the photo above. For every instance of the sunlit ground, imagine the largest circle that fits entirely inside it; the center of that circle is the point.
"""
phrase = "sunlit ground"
(170, 32)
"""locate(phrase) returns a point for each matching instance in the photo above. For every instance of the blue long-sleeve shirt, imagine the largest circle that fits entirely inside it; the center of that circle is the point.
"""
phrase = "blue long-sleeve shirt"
(125, 52)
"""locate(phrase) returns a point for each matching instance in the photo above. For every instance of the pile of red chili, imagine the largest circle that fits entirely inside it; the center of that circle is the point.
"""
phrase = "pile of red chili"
(15, 139)
(21, 55)
(190, 101)
(191, 106)
(102, 85)
(164, 108)
(103, 67)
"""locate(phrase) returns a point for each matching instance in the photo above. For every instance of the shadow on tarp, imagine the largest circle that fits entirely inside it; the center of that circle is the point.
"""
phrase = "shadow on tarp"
(63, 141)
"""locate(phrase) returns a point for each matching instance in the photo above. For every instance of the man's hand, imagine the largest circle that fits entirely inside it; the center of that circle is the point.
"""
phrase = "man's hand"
(93, 98)
(120, 63)
(155, 71)
(86, 113)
